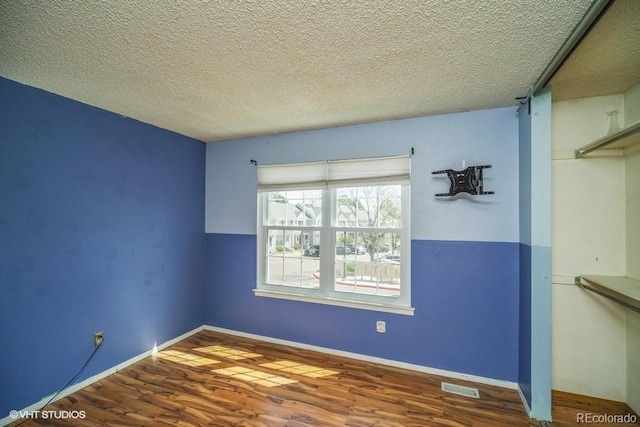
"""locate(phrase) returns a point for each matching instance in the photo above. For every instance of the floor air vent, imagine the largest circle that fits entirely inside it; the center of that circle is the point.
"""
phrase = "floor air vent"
(461, 390)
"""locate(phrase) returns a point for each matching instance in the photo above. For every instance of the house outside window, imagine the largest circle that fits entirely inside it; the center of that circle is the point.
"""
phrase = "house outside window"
(336, 232)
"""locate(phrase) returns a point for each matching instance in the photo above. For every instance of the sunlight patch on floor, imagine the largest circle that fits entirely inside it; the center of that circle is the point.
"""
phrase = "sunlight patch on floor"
(299, 368)
(227, 352)
(253, 376)
(185, 358)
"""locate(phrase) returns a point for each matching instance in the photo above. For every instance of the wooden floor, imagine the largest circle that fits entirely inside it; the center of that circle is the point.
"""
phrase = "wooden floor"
(567, 409)
(211, 379)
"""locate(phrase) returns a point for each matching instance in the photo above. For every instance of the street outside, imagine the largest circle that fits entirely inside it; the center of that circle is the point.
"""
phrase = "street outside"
(292, 268)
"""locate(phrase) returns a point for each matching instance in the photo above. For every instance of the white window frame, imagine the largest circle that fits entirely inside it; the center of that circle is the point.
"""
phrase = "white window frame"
(325, 293)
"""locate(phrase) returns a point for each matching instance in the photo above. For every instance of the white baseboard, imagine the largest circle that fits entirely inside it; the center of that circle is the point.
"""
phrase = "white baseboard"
(524, 401)
(394, 363)
(82, 384)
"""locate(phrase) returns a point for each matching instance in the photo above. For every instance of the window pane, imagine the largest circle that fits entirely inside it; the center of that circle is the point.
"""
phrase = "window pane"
(374, 206)
(368, 263)
(361, 242)
(295, 208)
(310, 273)
(287, 263)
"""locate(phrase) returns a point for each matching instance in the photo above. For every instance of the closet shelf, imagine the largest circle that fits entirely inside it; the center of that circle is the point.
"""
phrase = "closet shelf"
(622, 139)
(623, 290)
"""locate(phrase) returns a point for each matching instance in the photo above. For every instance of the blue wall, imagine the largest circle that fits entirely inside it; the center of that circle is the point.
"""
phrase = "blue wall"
(101, 228)
(465, 319)
(465, 252)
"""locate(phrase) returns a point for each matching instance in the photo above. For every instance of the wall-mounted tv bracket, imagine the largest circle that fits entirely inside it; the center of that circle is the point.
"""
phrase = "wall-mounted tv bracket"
(465, 181)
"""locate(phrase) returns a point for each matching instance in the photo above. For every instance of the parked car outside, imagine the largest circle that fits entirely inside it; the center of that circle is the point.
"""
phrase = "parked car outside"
(344, 249)
(312, 251)
(391, 258)
(380, 248)
(357, 249)
(347, 249)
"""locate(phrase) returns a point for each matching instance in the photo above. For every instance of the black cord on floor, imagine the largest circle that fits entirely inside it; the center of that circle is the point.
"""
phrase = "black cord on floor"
(95, 350)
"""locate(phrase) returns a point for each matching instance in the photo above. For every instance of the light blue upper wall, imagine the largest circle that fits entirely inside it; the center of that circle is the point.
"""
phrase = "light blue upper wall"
(440, 142)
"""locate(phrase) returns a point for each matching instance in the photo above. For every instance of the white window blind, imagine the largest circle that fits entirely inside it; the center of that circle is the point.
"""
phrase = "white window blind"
(335, 173)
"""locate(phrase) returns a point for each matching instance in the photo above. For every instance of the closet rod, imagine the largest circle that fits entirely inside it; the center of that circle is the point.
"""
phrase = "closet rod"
(604, 292)
(608, 140)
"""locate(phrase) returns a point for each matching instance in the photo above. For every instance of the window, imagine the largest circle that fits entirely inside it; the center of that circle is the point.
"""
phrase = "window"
(336, 232)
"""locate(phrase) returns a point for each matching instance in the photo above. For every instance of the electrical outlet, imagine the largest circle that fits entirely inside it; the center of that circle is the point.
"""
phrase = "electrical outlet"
(381, 327)
(98, 337)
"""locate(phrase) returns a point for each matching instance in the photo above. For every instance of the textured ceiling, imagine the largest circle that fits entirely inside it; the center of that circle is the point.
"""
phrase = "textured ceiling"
(607, 61)
(219, 70)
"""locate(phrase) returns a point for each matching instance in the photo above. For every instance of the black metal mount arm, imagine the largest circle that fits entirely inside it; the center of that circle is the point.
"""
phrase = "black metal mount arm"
(468, 181)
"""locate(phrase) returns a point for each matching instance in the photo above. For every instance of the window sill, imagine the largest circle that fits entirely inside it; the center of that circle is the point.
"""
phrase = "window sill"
(409, 311)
